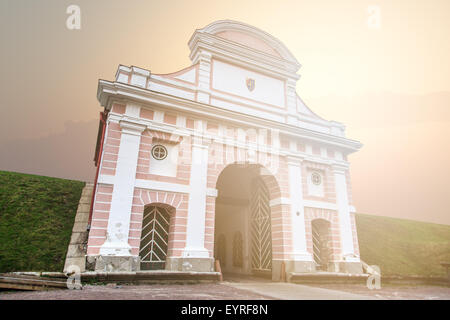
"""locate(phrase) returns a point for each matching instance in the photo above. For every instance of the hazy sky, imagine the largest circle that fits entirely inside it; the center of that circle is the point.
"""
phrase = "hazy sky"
(390, 85)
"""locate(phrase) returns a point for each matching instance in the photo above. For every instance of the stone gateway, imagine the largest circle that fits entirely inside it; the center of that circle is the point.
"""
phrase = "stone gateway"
(220, 161)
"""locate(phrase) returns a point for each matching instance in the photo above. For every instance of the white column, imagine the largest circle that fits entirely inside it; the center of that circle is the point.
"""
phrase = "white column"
(300, 252)
(116, 243)
(195, 233)
(345, 226)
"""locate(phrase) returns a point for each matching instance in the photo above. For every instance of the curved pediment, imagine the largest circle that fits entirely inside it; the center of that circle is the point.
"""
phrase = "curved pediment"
(249, 41)
(251, 37)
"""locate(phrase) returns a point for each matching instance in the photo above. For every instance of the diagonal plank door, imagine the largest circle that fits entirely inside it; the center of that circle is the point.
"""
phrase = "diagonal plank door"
(154, 238)
(261, 231)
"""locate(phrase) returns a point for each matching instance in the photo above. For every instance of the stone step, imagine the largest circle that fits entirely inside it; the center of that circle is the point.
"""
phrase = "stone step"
(326, 277)
(76, 252)
(154, 276)
(28, 282)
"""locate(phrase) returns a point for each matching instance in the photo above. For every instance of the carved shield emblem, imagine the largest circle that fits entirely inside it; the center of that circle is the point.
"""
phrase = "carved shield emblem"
(250, 84)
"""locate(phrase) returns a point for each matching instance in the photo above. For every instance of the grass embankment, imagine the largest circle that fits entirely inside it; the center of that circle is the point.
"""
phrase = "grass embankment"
(403, 247)
(36, 220)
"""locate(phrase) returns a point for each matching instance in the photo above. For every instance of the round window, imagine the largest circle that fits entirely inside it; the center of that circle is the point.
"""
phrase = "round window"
(316, 178)
(159, 152)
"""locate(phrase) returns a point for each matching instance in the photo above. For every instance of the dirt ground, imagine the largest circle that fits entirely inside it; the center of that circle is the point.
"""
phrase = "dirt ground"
(395, 292)
(139, 292)
(214, 291)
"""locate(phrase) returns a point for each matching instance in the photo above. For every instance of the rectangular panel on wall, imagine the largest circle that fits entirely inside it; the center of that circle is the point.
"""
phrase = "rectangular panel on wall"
(232, 79)
(168, 165)
(315, 181)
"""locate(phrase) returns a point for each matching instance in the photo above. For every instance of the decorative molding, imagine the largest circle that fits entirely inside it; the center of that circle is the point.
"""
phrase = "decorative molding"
(201, 141)
(294, 159)
(339, 167)
(108, 90)
(131, 127)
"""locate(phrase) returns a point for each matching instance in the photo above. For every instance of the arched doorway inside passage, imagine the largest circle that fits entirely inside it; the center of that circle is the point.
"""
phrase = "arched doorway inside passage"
(244, 221)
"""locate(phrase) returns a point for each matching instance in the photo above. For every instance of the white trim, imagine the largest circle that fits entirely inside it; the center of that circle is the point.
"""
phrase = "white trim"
(212, 192)
(279, 201)
(106, 179)
(319, 204)
(161, 186)
(170, 187)
(175, 82)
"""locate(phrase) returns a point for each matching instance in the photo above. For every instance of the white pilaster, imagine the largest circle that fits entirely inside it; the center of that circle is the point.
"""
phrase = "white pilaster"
(204, 77)
(195, 233)
(345, 226)
(291, 102)
(300, 252)
(133, 110)
(116, 243)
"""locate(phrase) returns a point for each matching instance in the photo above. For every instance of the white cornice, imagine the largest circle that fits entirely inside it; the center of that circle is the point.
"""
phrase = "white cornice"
(114, 90)
(175, 82)
(131, 127)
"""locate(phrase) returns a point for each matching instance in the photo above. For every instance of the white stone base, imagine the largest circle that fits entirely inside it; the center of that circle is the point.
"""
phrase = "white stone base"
(113, 263)
(117, 248)
(190, 264)
(346, 267)
(292, 266)
(351, 258)
(302, 256)
(195, 252)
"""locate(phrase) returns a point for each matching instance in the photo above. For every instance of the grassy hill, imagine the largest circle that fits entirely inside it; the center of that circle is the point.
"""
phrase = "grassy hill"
(37, 214)
(36, 220)
(403, 247)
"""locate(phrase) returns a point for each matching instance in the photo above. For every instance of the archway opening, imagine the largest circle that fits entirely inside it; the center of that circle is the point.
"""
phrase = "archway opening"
(321, 243)
(243, 232)
(154, 236)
